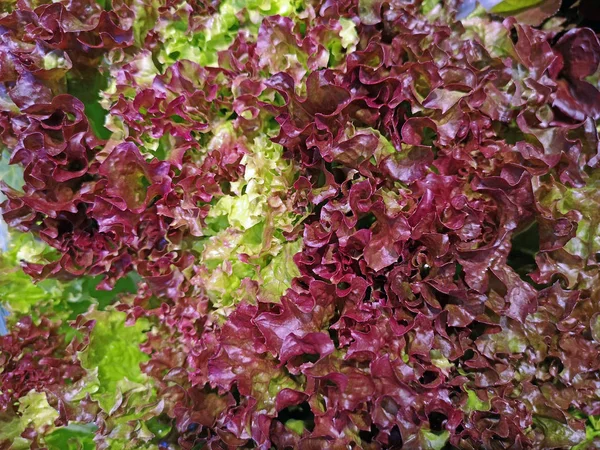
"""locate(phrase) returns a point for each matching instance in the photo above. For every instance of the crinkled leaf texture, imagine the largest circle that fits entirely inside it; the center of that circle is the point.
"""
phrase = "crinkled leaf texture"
(282, 224)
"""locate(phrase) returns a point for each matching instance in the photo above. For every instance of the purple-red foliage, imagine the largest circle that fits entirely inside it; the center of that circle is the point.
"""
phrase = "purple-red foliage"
(410, 316)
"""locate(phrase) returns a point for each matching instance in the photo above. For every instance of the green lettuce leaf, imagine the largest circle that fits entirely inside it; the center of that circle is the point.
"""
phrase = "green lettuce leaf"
(251, 221)
(586, 201)
(113, 357)
(511, 6)
(277, 276)
(72, 437)
(34, 412)
(557, 434)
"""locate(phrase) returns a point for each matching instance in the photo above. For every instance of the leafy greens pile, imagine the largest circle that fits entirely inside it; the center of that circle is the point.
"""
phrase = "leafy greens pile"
(299, 224)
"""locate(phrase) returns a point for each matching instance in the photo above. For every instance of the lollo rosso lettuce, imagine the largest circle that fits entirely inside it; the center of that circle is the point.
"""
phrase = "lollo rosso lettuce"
(299, 224)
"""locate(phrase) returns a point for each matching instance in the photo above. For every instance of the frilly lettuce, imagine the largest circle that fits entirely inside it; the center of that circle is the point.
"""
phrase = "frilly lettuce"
(266, 175)
(72, 437)
(16, 290)
(18, 294)
(50, 297)
(34, 413)
(216, 32)
(277, 276)
(448, 289)
(141, 68)
(113, 357)
(115, 380)
(253, 218)
(586, 201)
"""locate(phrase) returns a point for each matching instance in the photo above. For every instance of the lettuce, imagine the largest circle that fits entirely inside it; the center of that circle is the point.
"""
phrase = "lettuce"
(113, 356)
(215, 32)
(254, 216)
(284, 224)
(34, 413)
